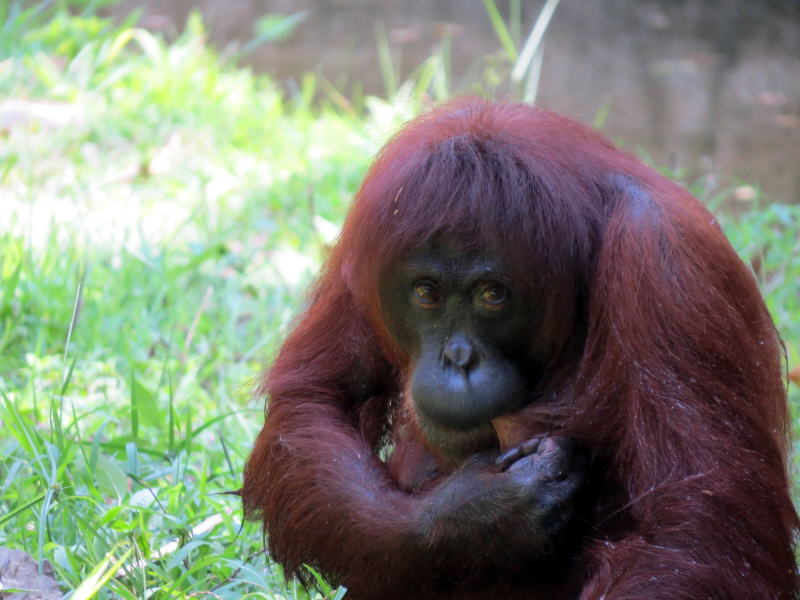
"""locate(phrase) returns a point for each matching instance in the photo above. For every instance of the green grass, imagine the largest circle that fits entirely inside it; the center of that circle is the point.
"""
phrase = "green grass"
(158, 226)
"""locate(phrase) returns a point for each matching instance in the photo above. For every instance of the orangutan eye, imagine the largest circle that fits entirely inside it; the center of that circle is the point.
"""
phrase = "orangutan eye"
(493, 295)
(427, 294)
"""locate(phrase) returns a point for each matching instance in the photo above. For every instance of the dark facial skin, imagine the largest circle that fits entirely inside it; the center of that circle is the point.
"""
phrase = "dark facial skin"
(471, 332)
(466, 323)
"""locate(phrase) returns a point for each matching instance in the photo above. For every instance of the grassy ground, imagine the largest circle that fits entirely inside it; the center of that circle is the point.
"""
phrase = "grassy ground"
(161, 212)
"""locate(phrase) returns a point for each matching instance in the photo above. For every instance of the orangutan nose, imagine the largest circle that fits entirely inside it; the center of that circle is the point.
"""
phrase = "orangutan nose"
(459, 352)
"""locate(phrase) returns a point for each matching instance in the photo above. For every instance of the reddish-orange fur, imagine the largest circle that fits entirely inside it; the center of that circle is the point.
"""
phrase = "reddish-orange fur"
(665, 363)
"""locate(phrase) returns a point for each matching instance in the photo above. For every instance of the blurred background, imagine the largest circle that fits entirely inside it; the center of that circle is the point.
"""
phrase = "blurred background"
(172, 175)
(705, 85)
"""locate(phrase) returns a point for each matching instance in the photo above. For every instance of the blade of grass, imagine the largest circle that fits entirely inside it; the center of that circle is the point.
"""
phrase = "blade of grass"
(500, 30)
(385, 60)
(101, 574)
(21, 508)
(526, 55)
(134, 406)
(532, 81)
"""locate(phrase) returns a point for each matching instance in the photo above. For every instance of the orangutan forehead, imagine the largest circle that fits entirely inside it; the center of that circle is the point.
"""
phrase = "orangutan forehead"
(454, 254)
(449, 251)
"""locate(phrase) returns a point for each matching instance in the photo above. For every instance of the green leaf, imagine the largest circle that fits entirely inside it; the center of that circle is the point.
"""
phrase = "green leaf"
(111, 479)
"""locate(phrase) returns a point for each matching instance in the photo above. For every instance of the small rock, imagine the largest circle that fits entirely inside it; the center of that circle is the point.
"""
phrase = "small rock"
(19, 571)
